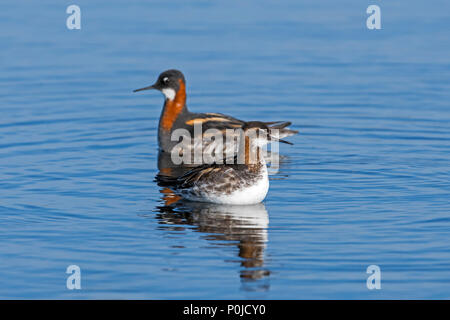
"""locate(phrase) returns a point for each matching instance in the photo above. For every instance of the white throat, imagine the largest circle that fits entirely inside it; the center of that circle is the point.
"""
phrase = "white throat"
(168, 93)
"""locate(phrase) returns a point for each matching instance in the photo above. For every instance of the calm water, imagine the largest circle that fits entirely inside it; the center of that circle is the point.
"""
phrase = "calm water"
(367, 181)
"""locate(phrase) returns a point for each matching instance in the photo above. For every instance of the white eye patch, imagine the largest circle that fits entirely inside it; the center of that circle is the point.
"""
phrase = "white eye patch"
(169, 93)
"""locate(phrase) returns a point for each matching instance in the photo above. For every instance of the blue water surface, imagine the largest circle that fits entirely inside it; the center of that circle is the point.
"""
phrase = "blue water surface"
(367, 181)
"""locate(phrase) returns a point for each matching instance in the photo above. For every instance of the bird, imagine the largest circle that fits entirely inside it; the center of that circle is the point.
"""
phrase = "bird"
(243, 181)
(175, 115)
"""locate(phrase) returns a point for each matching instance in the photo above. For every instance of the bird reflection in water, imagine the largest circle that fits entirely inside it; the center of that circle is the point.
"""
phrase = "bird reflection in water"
(224, 225)
(244, 227)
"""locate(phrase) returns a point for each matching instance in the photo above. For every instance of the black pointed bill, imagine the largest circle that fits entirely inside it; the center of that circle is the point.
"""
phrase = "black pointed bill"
(284, 141)
(145, 88)
(273, 138)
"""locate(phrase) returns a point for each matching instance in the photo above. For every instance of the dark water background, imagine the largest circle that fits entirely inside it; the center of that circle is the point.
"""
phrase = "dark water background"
(367, 181)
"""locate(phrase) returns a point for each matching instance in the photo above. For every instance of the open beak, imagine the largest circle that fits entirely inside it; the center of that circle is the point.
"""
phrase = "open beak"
(283, 141)
(145, 88)
(273, 138)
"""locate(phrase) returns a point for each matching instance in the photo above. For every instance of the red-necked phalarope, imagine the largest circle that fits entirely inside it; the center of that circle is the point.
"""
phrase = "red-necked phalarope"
(175, 114)
(243, 182)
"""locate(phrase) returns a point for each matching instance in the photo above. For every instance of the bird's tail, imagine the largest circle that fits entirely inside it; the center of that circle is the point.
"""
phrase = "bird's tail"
(166, 181)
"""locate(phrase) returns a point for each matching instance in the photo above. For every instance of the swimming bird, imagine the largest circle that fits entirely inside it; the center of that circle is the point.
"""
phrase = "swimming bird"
(242, 182)
(175, 115)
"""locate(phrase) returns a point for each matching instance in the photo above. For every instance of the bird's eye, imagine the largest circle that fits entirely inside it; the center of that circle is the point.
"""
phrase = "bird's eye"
(166, 80)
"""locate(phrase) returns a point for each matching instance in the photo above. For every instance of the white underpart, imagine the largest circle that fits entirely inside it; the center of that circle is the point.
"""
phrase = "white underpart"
(248, 195)
(169, 93)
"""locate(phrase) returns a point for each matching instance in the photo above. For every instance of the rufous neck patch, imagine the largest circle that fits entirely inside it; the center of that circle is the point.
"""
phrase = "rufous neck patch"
(173, 108)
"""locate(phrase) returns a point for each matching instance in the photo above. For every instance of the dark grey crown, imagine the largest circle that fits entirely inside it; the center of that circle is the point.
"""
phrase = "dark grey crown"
(169, 79)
